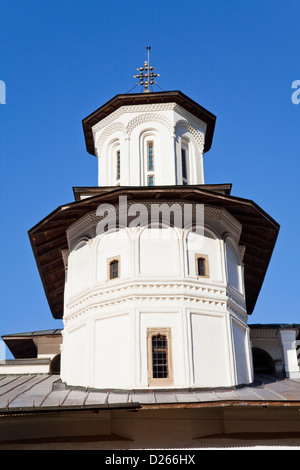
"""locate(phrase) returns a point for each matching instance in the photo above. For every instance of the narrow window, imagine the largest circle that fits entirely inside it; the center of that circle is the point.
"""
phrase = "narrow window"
(113, 268)
(159, 346)
(183, 166)
(150, 155)
(118, 165)
(151, 180)
(202, 266)
(160, 356)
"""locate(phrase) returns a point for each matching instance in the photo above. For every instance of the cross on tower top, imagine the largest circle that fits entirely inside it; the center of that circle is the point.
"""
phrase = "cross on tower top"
(146, 74)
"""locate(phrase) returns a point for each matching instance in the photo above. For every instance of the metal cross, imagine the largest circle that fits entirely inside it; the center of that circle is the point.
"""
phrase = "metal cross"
(146, 74)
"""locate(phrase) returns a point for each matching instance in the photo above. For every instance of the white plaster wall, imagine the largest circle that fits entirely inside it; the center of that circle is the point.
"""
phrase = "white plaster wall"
(241, 353)
(106, 320)
(211, 353)
(159, 253)
(75, 356)
(79, 269)
(111, 352)
(233, 265)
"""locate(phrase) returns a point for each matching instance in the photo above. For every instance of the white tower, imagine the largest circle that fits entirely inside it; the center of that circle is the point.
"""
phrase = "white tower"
(160, 271)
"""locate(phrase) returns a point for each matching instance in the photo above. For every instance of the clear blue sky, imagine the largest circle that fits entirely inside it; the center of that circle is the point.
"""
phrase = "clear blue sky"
(61, 60)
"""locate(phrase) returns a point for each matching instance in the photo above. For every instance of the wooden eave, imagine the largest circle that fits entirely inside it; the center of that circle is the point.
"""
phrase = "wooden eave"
(148, 98)
(48, 238)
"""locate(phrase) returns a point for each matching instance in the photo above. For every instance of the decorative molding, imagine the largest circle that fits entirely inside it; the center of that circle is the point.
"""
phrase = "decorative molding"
(148, 117)
(148, 108)
(263, 333)
(208, 297)
(199, 136)
(111, 129)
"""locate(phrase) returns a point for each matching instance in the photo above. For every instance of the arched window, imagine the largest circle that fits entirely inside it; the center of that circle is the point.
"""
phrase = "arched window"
(118, 165)
(185, 164)
(262, 362)
(55, 365)
(150, 162)
(149, 155)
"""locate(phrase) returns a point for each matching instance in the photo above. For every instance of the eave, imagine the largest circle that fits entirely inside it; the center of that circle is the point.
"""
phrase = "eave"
(48, 238)
(148, 98)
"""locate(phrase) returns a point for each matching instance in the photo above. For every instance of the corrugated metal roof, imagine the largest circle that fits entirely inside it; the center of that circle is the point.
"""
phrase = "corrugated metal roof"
(29, 393)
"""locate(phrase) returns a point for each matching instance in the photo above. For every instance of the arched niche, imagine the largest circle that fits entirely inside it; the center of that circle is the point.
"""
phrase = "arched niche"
(233, 264)
(189, 146)
(78, 268)
(207, 244)
(160, 251)
(116, 244)
(150, 156)
(262, 362)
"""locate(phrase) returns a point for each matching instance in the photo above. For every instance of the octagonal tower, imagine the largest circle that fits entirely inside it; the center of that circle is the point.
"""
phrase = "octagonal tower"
(154, 272)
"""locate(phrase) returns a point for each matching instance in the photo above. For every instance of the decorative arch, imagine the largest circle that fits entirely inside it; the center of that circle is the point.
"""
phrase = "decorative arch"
(203, 244)
(158, 248)
(81, 243)
(262, 362)
(148, 117)
(188, 127)
(111, 129)
(233, 263)
(55, 365)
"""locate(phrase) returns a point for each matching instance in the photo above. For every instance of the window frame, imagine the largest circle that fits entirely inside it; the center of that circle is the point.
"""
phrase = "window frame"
(148, 180)
(109, 268)
(206, 265)
(158, 381)
(184, 152)
(118, 166)
(150, 144)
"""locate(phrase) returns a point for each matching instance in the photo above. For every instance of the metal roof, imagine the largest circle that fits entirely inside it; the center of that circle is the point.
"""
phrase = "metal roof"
(22, 345)
(46, 393)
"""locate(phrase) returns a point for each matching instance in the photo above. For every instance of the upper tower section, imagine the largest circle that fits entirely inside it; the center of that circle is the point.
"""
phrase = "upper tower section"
(149, 139)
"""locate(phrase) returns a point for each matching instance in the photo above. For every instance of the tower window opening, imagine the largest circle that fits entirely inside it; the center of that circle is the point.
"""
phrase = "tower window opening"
(202, 268)
(150, 180)
(150, 155)
(118, 165)
(160, 357)
(184, 166)
(114, 268)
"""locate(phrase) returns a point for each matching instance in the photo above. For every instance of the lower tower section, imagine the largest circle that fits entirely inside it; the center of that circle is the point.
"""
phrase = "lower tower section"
(154, 297)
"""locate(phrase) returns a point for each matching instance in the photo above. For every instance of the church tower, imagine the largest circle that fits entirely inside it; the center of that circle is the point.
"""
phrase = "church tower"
(153, 272)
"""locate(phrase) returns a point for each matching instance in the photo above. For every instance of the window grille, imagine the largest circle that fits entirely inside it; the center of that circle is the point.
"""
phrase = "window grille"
(160, 356)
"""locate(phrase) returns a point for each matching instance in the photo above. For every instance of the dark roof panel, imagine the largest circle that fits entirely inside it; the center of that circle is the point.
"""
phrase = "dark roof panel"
(148, 98)
(259, 237)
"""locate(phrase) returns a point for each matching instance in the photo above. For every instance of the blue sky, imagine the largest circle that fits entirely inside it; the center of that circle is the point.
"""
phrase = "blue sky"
(61, 60)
